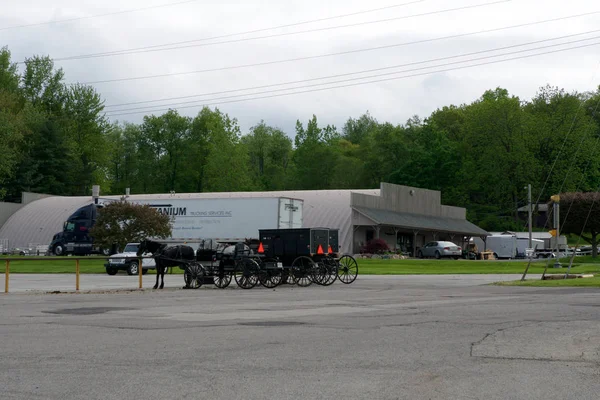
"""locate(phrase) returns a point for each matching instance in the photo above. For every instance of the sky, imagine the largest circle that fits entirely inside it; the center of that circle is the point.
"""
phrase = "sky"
(403, 82)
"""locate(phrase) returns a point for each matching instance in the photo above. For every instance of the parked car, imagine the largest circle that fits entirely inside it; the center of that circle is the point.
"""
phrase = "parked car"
(440, 250)
(19, 252)
(128, 261)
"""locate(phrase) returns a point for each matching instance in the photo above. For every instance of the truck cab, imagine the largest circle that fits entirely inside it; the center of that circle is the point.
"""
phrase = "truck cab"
(128, 261)
(75, 238)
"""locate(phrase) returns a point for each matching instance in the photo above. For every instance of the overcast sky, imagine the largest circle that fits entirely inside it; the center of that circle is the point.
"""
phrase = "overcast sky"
(392, 100)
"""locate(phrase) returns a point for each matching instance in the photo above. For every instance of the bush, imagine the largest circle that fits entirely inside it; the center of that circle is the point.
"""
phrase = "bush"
(376, 246)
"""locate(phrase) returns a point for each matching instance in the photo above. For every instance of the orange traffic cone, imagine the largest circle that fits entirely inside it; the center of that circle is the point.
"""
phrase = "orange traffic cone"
(261, 249)
(320, 250)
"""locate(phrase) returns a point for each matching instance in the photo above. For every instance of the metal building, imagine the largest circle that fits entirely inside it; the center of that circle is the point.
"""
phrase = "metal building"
(405, 217)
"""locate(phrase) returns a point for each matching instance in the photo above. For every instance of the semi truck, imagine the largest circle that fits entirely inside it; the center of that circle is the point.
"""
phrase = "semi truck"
(75, 236)
(225, 219)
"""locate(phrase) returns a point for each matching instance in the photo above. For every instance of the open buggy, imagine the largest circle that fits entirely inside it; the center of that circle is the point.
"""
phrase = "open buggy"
(223, 262)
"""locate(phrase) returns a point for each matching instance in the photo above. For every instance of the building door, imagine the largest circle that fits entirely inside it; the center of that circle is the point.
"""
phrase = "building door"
(370, 235)
(404, 242)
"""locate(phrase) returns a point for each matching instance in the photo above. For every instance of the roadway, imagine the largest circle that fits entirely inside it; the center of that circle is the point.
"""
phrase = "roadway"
(418, 337)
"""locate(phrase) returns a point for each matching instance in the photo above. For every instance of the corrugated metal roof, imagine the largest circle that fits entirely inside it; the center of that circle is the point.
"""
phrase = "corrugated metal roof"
(38, 221)
(423, 222)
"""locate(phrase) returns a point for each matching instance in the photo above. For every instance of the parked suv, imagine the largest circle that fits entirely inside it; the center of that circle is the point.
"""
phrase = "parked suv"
(128, 261)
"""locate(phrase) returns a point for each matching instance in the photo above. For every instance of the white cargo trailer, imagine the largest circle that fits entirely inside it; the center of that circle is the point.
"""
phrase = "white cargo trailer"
(503, 246)
(227, 219)
(507, 245)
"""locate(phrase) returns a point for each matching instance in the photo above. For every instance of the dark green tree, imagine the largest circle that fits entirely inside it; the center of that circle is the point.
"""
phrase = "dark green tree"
(580, 215)
(314, 157)
(123, 222)
(86, 129)
(269, 151)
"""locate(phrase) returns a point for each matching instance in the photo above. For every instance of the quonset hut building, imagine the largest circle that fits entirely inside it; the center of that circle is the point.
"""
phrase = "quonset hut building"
(405, 217)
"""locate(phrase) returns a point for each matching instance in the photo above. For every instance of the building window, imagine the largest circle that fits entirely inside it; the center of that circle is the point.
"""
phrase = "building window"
(370, 235)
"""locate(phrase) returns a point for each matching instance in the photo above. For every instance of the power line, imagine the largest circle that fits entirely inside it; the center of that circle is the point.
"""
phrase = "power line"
(336, 54)
(561, 149)
(211, 102)
(366, 71)
(98, 15)
(163, 47)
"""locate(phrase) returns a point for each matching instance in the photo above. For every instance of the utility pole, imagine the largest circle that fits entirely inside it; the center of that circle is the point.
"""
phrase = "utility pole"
(530, 216)
(556, 205)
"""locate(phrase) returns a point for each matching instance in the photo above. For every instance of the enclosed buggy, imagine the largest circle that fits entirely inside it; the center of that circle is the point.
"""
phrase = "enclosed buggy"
(308, 255)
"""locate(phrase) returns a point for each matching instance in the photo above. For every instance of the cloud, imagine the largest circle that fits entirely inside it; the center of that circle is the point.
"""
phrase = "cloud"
(392, 100)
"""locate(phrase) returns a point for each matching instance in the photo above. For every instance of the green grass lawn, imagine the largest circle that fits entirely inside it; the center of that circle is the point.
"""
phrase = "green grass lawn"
(583, 282)
(366, 267)
(445, 267)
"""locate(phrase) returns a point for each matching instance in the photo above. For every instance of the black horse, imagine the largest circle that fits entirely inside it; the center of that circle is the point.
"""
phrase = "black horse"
(165, 257)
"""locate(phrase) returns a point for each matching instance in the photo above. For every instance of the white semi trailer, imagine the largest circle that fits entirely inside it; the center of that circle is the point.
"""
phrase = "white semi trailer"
(194, 220)
(229, 219)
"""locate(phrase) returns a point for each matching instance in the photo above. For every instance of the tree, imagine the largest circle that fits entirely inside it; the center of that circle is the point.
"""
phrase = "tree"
(86, 130)
(579, 213)
(45, 166)
(315, 157)
(226, 168)
(269, 151)
(387, 151)
(349, 172)
(356, 130)
(11, 121)
(167, 135)
(9, 74)
(124, 164)
(42, 85)
(123, 222)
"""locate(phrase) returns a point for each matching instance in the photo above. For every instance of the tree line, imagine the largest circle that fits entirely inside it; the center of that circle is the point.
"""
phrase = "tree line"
(56, 139)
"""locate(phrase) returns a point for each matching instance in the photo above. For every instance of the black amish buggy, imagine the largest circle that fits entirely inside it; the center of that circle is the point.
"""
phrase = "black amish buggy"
(308, 255)
(294, 256)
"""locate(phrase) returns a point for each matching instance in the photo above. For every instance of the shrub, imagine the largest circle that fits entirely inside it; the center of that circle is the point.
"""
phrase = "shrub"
(376, 246)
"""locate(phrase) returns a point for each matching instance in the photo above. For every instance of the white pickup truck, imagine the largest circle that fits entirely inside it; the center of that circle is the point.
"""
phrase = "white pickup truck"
(128, 261)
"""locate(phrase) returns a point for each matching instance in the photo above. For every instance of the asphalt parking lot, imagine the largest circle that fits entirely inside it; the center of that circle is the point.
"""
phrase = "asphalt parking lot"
(428, 337)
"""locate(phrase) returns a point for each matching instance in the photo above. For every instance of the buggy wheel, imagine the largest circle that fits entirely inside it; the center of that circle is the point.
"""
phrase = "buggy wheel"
(320, 274)
(302, 271)
(246, 273)
(221, 278)
(347, 270)
(269, 278)
(194, 275)
(331, 271)
(286, 277)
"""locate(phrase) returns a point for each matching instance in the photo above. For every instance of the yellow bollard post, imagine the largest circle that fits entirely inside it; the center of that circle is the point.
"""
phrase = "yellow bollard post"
(140, 270)
(77, 274)
(6, 276)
